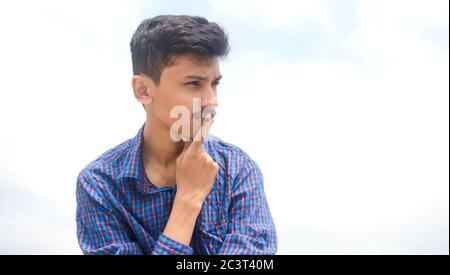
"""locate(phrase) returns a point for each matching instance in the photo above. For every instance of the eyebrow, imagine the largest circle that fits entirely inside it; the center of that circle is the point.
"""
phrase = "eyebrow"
(198, 77)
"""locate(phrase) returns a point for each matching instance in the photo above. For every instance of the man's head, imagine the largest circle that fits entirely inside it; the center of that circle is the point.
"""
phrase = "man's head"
(175, 59)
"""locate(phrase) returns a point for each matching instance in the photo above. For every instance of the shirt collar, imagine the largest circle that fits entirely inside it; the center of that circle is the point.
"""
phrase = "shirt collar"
(133, 164)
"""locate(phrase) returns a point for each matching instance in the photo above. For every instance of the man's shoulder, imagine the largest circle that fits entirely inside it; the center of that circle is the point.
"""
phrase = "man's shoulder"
(228, 153)
(107, 163)
(214, 144)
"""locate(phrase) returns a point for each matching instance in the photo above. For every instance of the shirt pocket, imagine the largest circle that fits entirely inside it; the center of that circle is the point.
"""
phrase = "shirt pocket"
(213, 225)
(214, 212)
(213, 237)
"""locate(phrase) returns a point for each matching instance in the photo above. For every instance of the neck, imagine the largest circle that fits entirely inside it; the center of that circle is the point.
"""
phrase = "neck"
(158, 148)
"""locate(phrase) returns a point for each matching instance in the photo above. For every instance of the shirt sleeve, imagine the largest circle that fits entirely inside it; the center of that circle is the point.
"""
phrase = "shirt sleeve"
(251, 230)
(167, 246)
(100, 231)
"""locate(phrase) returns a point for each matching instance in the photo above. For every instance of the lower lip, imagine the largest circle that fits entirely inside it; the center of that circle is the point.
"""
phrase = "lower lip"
(210, 120)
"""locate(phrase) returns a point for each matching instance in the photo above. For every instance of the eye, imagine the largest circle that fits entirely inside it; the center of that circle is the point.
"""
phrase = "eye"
(216, 83)
(194, 83)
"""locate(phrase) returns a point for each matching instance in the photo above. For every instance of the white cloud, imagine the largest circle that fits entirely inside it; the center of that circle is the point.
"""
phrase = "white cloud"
(36, 235)
(282, 15)
(394, 30)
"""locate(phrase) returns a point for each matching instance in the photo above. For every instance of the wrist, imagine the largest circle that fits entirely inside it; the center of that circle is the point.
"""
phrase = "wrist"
(187, 202)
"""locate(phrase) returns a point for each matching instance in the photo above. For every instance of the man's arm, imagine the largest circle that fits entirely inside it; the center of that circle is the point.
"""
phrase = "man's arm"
(195, 174)
(100, 230)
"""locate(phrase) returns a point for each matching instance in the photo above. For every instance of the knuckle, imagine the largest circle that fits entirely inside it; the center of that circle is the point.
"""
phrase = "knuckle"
(214, 166)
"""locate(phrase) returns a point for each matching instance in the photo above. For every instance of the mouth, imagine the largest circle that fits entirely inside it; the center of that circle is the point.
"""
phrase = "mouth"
(202, 121)
(208, 111)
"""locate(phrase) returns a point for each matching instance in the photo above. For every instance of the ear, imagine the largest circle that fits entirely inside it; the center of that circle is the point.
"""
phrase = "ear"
(143, 88)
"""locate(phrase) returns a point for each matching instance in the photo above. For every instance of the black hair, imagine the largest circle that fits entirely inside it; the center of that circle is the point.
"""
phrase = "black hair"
(158, 40)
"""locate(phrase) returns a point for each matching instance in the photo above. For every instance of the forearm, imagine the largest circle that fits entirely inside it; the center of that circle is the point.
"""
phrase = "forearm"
(181, 222)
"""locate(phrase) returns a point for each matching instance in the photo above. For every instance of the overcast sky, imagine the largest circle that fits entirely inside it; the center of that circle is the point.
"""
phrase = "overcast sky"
(344, 105)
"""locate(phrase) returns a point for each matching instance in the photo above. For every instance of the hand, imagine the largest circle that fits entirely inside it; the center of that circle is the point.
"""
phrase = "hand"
(195, 173)
(195, 170)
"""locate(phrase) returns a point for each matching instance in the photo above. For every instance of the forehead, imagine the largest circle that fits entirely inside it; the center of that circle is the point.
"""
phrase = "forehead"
(190, 64)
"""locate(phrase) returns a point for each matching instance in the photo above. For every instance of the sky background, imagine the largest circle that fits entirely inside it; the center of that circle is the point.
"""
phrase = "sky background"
(344, 105)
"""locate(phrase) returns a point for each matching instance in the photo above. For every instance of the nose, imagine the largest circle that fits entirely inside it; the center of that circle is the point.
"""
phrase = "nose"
(209, 98)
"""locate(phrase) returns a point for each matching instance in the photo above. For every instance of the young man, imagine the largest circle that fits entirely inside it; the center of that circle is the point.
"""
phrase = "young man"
(167, 191)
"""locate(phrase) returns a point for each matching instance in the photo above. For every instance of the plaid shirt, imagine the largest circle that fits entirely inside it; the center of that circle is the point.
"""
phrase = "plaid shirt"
(119, 211)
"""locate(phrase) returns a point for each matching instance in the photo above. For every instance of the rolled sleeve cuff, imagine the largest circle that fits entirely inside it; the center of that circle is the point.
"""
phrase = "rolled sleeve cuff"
(167, 246)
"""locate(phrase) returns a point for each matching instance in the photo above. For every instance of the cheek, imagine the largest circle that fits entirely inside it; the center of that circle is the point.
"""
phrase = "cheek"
(161, 107)
(164, 103)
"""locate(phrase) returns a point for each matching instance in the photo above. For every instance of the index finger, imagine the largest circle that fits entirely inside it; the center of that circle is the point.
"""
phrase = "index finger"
(198, 137)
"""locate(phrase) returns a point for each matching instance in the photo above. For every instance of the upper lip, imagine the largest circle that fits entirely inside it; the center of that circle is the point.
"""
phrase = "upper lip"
(205, 112)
